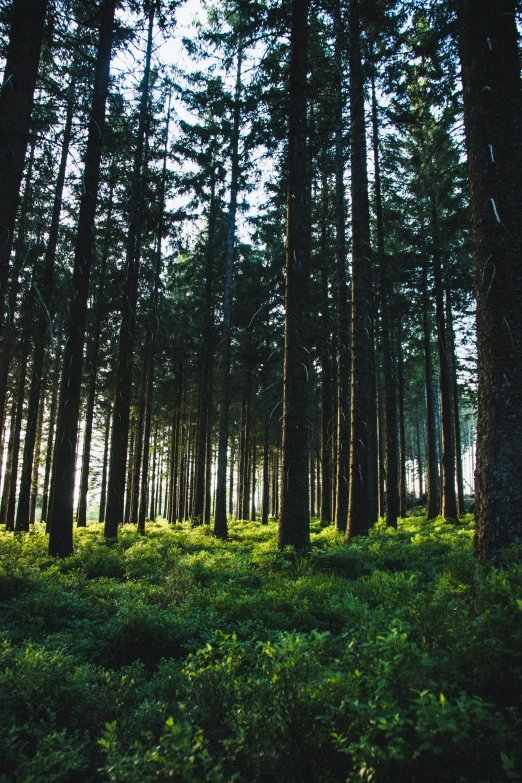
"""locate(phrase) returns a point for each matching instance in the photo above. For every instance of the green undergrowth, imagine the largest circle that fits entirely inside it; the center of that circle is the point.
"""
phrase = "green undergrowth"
(178, 657)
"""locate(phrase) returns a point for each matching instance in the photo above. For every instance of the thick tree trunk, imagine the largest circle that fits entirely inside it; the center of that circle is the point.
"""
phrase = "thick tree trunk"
(26, 32)
(432, 473)
(122, 399)
(64, 462)
(220, 517)
(358, 511)
(493, 119)
(294, 523)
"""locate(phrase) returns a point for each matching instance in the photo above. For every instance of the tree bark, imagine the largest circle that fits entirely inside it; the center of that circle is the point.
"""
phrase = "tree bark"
(358, 510)
(388, 372)
(402, 435)
(449, 498)
(342, 476)
(122, 399)
(64, 462)
(294, 523)
(220, 517)
(493, 119)
(16, 103)
(43, 324)
(432, 473)
(457, 440)
(20, 396)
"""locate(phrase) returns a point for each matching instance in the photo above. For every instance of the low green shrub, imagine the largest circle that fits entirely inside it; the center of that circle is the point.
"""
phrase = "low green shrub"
(177, 656)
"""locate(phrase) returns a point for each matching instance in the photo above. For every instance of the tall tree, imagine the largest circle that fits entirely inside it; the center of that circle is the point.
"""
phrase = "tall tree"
(16, 103)
(220, 516)
(294, 523)
(358, 513)
(493, 118)
(64, 462)
(114, 513)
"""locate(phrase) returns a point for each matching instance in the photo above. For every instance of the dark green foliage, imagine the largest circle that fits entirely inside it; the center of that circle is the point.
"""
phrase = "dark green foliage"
(180, 657)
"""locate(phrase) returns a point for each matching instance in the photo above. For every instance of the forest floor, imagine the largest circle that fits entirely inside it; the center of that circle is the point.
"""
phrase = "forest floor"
(179, 657)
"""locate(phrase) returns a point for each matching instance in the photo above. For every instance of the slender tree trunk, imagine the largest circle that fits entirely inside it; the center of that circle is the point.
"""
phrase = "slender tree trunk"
(326, 369)
(266, 442)
(220, 518)
(22, 248)
(402, 436)
(152, 344)
(455, 406)
(50, 441)
(201, 449)
(122, 400)
(208, 458)
(358, 512)
(419, 457)
(43, 324)
(449, 498)
(36, 464)
(64, 463)
(253, 512)
(343, 349)
(294, 523)
(8, 463)
(13, 478)
(103, 491)
(26, 33)
(389, 382)
(432, 477)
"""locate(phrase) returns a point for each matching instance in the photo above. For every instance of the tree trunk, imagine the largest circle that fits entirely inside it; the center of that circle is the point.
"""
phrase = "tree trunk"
(220, 518)
(432, 475)
(16, 103)
(294, 523)
(20, 396)
(358, 511)
(8, 463)
(326, 368)
(43, 324)
(342, 476)
(493, 117)
(36, 464)
(201, 449)
(103, 491)
(50, 442)
(122, 400)
(449, 498)
(64, 462)
(455, 405)
(389, 382)
(402, 436)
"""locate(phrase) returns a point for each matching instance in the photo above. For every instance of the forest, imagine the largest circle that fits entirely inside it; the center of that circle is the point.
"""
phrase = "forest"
(260, 391)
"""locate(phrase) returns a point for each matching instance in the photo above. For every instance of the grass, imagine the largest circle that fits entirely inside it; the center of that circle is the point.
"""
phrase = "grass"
(176, 656)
